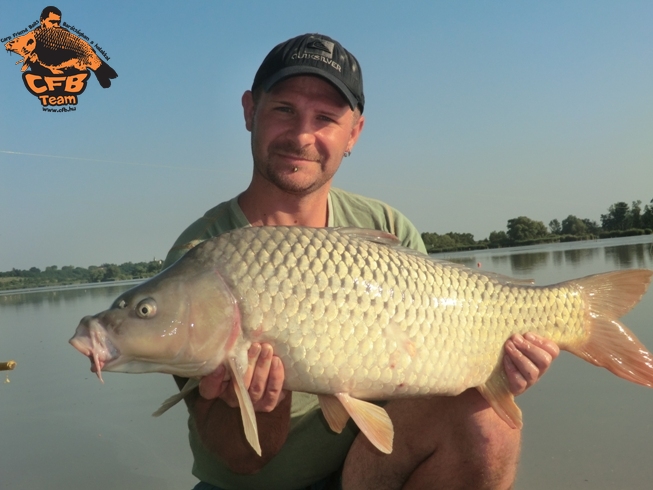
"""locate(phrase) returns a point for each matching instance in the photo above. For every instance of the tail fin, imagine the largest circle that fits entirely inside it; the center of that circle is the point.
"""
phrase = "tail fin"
(610, 344)
(104, 74)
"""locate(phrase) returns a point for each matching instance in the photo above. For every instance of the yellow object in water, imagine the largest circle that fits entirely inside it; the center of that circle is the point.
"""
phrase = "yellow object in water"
(7, 366)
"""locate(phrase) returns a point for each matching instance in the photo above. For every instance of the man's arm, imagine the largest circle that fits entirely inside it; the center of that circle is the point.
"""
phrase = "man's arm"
(217, 416)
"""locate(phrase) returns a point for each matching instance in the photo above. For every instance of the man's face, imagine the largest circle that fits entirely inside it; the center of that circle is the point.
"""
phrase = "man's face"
(52, 20)
(300, 132)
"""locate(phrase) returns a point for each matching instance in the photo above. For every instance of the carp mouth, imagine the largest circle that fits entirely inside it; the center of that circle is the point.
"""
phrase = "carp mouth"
(92, 341)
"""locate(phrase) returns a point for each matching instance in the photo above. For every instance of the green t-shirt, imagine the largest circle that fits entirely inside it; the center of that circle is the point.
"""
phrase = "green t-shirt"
(312, 451)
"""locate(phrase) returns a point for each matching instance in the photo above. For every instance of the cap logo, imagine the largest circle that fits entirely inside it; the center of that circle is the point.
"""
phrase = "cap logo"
(325, 48)
(318, 50)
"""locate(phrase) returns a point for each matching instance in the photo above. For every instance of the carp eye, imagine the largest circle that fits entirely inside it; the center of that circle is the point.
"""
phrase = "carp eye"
(146, 308)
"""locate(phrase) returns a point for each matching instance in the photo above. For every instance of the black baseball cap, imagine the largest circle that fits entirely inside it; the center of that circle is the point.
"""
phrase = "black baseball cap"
(313, 54)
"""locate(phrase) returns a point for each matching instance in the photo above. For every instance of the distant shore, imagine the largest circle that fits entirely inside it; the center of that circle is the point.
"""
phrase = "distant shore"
(70, 287)
(75, 277)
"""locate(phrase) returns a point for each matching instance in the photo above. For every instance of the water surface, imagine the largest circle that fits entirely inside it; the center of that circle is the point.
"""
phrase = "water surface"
(61, 428)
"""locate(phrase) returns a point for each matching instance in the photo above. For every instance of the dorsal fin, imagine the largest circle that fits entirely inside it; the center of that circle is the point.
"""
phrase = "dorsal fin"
(389, 240)
(376, 236)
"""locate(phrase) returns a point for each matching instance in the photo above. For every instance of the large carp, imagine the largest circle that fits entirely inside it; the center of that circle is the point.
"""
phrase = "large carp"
(59, 50)
(353, 317)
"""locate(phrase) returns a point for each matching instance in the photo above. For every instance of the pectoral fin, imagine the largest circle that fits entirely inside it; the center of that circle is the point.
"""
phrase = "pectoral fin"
(372, 420)
(334, 413)
(497, 393)
(245, 402)
(190, 385)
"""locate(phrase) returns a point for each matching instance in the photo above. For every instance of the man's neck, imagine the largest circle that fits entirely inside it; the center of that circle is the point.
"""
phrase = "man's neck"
(273, 207)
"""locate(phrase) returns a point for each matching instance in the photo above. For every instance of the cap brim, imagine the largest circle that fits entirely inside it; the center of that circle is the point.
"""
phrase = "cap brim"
(291, 71)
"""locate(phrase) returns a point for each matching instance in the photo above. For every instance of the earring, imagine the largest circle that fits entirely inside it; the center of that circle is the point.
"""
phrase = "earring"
(347, 153)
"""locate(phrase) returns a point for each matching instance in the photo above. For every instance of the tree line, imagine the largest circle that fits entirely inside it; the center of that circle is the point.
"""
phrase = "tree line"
(620, 220)
(66, 275)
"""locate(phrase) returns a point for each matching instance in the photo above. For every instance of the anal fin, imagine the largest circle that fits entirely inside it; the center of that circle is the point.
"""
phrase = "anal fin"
(334, 413)
(496, 392)
(372, 420)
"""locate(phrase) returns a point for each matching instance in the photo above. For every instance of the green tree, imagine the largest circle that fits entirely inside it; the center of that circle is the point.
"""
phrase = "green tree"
(524, 228)
(572, 225)
(617, 217)
(592, 226)
(498, 238)
(462, 239)
(554, 226)
(636, 214)
(96, 274)
(154, 266)
(111, 272)
(647, 216)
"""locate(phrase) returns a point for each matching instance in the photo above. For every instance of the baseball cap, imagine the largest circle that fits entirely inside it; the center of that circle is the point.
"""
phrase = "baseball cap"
(313, 54)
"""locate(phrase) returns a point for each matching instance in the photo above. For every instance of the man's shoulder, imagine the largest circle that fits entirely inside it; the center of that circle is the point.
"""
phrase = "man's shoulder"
(349, 198)
(215, 221)
(351, 209)
(222, 218)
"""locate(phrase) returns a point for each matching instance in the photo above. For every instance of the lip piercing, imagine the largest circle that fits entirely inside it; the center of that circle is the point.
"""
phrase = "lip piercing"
(295, 169)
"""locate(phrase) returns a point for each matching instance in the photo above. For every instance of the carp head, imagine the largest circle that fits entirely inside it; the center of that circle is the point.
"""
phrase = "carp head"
(183, 321)
(24, 46)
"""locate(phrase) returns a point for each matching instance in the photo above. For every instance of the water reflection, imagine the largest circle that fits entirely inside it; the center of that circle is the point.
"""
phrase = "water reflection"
(616, 253)
(578, 256)
(636, 255)
(528, 262)
(558, 258)
(499, 260)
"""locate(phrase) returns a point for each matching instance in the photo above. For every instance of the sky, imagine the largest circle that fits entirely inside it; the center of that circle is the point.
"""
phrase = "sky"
(476, 112)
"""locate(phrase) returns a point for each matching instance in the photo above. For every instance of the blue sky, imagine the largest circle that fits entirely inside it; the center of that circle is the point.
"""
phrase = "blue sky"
(477, 112)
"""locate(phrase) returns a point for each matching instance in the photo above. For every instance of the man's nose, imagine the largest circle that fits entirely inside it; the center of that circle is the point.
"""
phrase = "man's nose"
(303, 130)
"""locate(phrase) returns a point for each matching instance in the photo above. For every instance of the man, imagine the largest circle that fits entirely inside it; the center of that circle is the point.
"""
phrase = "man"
(50, 17)
(304, 113)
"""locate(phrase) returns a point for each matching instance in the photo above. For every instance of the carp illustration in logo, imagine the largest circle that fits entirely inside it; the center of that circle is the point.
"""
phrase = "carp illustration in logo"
(58, 61)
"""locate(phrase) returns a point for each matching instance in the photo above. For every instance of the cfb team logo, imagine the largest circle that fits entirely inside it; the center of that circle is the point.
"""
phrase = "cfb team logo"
(56, 62)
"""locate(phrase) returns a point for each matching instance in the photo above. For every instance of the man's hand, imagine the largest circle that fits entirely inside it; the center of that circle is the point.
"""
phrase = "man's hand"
(263, 379)
(527, 359)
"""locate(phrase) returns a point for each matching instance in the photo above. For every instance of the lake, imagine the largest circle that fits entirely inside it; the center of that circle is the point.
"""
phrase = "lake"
(61, 429)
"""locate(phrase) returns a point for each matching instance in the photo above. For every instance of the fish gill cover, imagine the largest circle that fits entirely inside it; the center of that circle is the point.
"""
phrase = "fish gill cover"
(56, 63)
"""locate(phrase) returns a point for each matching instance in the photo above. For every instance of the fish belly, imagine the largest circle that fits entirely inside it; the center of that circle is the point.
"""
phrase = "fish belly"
(348, 314)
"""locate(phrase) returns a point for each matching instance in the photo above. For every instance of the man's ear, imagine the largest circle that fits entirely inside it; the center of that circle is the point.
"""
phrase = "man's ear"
(356, 132)
(249, 108)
